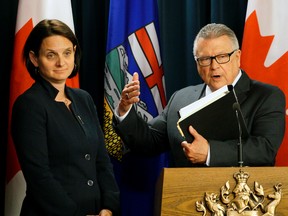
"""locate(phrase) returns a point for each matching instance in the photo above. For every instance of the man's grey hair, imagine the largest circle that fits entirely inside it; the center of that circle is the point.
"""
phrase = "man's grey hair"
(215, 30)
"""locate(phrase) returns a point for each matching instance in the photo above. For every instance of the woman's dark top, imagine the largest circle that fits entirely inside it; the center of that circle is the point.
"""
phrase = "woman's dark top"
(62, 154)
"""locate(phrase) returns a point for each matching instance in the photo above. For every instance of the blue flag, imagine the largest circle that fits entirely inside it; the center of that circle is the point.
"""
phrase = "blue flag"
(133, 46)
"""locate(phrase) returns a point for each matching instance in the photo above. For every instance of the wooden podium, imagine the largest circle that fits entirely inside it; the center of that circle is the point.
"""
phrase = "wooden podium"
(178, 189)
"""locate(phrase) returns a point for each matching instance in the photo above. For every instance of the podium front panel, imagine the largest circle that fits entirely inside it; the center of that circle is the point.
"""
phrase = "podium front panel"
(178, 189)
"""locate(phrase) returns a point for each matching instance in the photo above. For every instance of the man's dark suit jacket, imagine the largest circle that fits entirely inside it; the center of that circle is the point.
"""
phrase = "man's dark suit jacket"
(62, 154)
(263, 108)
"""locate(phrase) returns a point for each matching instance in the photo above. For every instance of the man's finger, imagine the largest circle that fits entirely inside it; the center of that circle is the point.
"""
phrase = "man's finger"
(135, 76)
(193, 132)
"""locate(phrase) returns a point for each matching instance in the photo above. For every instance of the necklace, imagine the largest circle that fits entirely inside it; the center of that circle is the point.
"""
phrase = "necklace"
(67, 102)
(64, 100)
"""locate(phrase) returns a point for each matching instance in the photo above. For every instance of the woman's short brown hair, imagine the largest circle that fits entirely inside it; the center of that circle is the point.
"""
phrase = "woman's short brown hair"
(44, 29)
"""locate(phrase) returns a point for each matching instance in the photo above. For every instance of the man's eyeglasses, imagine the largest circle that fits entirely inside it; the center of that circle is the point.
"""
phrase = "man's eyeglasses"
(220, 59)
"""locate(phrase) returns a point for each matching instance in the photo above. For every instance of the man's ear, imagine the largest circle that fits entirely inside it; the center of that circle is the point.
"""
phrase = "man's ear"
(33, 58)
(238, 54)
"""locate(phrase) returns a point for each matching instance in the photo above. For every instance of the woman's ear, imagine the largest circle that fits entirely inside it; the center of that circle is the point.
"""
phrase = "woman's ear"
(33, 58)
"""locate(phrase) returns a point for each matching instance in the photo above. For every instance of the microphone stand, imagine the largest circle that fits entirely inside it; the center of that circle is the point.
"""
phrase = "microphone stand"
(239, 116)
(240, 144)
(236, 107)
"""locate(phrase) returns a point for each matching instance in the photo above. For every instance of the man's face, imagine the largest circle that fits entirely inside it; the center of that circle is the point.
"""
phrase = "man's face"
(217, 75)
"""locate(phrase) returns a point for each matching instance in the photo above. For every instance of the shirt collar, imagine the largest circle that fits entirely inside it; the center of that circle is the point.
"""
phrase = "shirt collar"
(52, 91)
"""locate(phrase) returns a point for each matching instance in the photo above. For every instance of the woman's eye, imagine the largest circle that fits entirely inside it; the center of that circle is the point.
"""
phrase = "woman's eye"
(50, 55)
(67, 54)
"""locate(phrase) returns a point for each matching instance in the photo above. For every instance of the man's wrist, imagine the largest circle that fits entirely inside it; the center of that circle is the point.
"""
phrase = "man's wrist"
(117, 115)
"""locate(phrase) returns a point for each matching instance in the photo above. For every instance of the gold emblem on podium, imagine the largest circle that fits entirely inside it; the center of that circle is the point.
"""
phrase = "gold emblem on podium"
(242, 200)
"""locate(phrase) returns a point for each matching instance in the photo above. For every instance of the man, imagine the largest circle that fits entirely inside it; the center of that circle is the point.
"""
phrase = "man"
(217, 53)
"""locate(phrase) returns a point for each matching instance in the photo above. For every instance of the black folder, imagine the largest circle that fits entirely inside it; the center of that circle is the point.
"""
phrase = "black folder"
(214, 121)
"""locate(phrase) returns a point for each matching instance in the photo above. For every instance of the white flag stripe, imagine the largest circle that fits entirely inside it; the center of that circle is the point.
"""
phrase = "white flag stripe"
(271, 18)
(157, 98)
(44, 9)
(153, 37)
(139, 56)
(15, 186)
(143, 63)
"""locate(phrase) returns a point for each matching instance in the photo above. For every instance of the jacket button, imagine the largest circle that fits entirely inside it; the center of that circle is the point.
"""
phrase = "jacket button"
(90, 182)
(87, 156)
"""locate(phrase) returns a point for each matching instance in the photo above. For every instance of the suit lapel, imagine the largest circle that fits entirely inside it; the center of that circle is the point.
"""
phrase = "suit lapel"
(243, 87)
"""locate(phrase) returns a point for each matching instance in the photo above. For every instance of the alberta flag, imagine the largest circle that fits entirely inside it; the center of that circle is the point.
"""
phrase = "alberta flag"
(133, 46)
(264, 51)
(30, 12)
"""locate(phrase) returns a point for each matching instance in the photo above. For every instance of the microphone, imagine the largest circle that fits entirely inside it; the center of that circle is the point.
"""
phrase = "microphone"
(231, 88)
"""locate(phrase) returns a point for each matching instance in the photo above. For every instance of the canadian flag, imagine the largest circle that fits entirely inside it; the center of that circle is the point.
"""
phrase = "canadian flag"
(264, 50)
(30, 12)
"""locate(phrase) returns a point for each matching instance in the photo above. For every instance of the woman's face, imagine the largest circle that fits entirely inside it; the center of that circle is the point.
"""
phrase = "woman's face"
(55, 60)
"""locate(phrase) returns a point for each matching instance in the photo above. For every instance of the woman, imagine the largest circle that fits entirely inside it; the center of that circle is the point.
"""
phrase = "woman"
(57, 135)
